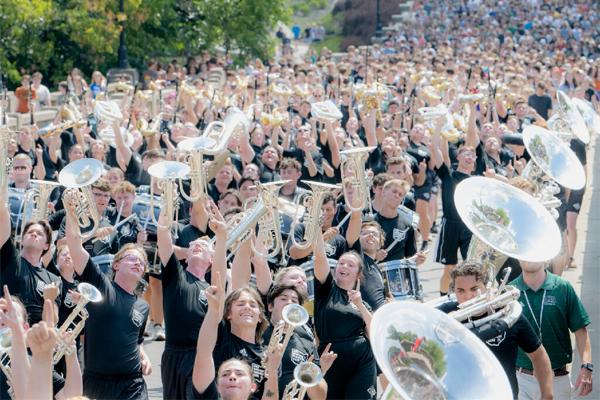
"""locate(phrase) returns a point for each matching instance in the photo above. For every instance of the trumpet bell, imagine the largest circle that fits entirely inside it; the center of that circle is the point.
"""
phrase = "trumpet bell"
(169, 170)
(107, 135)
(326, 110)
(107, 111)
(423, 352)
(576, 122)
(507, 219)
(554, 157)
(308, 374)
(80, 173)
(590, 116)
(295, 315)
(90, 292)
(201, 143)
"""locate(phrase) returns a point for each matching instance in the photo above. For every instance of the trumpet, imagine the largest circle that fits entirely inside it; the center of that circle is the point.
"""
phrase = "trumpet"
(273, 120)
(326, 110)
(5, 346)
(354, 176)
(88, 293)
(78, 199)
(292, 316)
(147, 129)
(54, 130)
(312, 221)
(195, 158)
(164, 176)
(306, 375)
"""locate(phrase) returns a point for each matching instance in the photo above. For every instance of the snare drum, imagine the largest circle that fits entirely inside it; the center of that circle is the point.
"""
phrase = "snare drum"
(142, 208)
(104, 263)
(402, 279)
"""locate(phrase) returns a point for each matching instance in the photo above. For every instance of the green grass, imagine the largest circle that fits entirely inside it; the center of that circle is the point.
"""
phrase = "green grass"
(332, 42)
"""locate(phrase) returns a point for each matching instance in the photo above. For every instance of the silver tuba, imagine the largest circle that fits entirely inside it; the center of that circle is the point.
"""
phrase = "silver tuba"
(326, 110)
(88, 293)
(292, 316)
(165, 176)
(195, 148)
(354, 176)
(306, 375)
(78, 199)
(312, 217)
(506, 222)
(567, 121)
(423, 352)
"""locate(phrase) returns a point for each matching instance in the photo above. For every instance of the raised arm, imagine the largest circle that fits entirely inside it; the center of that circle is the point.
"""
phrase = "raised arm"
(164, 240)
(78, 254)
(354, 225)
(124, 153)
(472, 138)
(240, 267)
(322, 270)
(204, 364)
(4, 216)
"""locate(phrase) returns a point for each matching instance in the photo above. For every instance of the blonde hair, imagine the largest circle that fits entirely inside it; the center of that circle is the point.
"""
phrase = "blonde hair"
(263, 323)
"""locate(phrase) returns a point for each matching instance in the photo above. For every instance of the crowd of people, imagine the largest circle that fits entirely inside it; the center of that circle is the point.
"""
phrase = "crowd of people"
(211, 264)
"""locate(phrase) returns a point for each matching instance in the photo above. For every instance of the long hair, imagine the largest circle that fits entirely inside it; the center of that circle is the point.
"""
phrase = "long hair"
(263, 323)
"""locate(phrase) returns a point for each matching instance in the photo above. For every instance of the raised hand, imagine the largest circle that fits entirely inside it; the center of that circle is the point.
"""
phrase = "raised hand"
(9, 316)
(327, 358)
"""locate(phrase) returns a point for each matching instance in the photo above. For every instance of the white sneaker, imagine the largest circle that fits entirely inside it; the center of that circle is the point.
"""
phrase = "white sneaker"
(149, 331)
(159, 333)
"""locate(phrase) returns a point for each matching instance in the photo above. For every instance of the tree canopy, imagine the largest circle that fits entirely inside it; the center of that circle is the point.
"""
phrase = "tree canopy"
(53, 36)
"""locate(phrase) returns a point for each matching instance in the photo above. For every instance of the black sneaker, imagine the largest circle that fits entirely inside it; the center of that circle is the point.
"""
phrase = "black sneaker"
(424, 245)
(434, 228)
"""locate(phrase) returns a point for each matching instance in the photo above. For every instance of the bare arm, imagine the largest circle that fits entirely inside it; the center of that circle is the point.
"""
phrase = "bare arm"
(240, 268)
(261, 270)
(124, 153)
(584, 347)
(354, 225)
(164, 240)
(40, 168)
(321, 265)
(333, 145)
(73, 381)
(78, 254)
(543, 371)
(370, 128)
(472, 138)
(4, 216)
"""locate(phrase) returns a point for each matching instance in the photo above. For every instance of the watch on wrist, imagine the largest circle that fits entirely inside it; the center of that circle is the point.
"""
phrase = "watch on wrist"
(588, 366)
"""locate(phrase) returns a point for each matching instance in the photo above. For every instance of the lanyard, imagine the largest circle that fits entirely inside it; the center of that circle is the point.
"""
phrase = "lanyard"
(538, 325)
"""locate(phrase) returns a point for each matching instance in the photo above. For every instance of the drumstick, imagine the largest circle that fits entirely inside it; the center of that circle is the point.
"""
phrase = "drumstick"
(115, 227)
(343, 221)
(413, 258)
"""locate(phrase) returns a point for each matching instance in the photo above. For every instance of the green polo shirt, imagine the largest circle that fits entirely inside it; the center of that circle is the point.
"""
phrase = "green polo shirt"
(562, 312)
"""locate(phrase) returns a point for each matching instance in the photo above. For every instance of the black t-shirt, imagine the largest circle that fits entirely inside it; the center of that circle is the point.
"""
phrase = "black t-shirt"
(579, 149)
(230, 346)
(484, 161)
(299, 155)
(450, 178)
(189, 233)
(25, 281)
(419, 153)
(210, 393)
(541, 104)
(301, 346)
(334, 248)
(328, 156)
(406, 245)
(335, 317)
(372, 288)
(114, 329)
(184, 304)
(135, 172)
(506, 345)
(266, 174)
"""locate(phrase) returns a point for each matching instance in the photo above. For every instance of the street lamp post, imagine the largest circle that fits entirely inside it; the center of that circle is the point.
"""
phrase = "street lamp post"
(378, 26)
(123, 62)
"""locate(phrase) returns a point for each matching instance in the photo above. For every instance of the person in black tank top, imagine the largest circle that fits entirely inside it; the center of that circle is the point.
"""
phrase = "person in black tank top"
(184, 299)
(343, 319)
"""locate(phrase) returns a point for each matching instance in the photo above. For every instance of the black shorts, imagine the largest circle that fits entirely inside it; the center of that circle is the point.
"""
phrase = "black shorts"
(114, 387)
(575, 201)
(423, 192)
(561, 221)
(176, 369)
(453, 236)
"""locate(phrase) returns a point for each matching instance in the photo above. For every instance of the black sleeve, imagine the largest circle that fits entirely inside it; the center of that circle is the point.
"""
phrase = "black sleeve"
(578, 148)
(9, 258)
(411, 244)
(170, 271)
(322, 290)
(209, 393)
(92, 275)
(526, 337)
(134, 169)
(443, 172)
(514, 139)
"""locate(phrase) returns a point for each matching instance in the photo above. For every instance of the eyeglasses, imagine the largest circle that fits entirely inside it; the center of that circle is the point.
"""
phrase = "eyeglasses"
(130, 258)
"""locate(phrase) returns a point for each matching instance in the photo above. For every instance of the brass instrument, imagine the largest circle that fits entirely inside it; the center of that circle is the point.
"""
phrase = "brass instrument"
(107, 111)
(149, 129)
(119, 87)
(54, 130)
(269, 224)
(107, 135)
(371, 96)
(281, 89)
(78, 199)
(431, 94)
(274, 120)
(5, 346)
(236, 124)
(326, 110)
(421, 350)
(35, 202)
(292, 316)
(312, 220)
(590, 116)
(567, 122)
(195, 148)
(470, 98)
(165, 176)
(453, 126)
(506, 222)
(87, 293)
(306, 375)
(355, 176)
(5, 162)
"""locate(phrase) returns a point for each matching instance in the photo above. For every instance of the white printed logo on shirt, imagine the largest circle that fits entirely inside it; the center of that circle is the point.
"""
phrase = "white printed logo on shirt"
(137, 318)
(258, 372)
(69, 303)
(298, 356)
(495, 342)
(39, 286)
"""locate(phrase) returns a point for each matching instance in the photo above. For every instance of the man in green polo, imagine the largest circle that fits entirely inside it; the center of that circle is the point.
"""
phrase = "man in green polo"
(554, 310)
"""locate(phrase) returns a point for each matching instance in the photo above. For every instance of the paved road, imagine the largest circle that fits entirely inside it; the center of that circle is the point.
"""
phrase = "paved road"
(585, 278)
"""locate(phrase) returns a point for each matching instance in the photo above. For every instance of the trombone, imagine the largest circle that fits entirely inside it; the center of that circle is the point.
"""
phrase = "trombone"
(88, 293)
(78, 199)
(292, 316)
(306, 375)
(164, 177)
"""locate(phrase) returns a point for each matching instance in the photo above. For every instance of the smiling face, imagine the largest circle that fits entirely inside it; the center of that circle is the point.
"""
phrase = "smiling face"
(234, 380)
(466, 159)
(131, 265)
(244, 311)
(270, 157)
(370, 239)
(347, 271)
(199, 252)
(295, 277)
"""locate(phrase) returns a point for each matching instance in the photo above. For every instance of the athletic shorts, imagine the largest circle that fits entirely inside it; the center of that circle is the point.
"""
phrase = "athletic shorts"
(176, 369)
(453, 236)
(575, 201)
(114, 387)
(423, 192)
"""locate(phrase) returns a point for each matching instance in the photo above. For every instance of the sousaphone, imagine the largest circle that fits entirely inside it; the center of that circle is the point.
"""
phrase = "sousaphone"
(506, 222)
(426, 354)
(567, 121)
